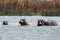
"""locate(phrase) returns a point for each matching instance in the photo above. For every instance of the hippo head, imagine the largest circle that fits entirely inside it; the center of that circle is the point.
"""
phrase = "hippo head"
(5, 22)
(23, 22)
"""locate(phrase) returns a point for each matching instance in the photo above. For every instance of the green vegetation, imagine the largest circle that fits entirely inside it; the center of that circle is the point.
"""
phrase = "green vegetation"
(29, 8)
(23, 13)
(51, 13)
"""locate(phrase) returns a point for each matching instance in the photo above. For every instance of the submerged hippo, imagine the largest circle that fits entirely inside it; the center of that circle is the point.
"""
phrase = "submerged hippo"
(46, 23)
(5, 22)
(23, 22)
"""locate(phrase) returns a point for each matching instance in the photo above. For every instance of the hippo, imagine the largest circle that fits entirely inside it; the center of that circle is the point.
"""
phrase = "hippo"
(5, 22)
(23, 22)
(46, 23)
